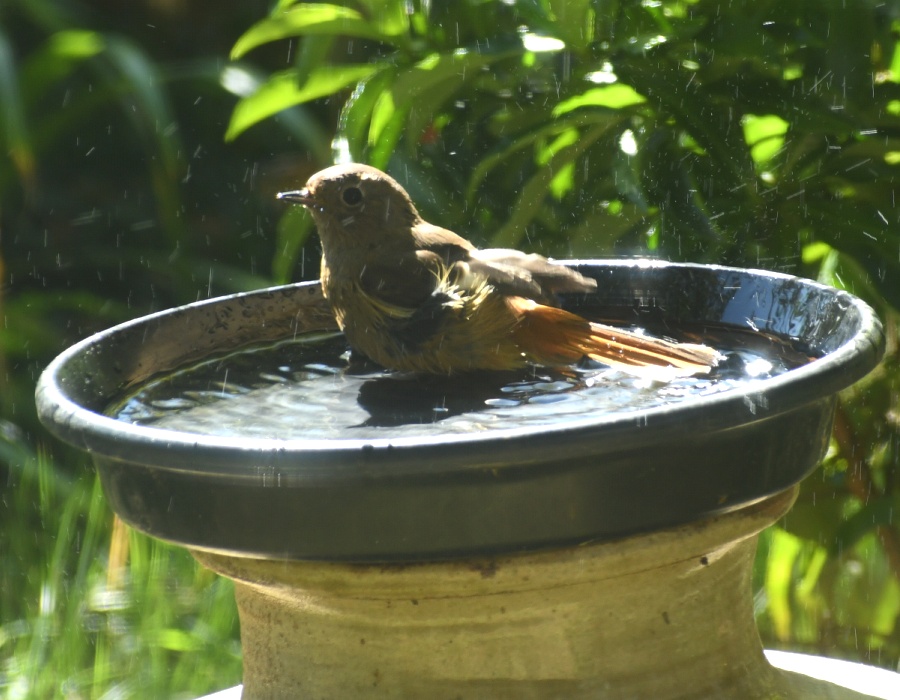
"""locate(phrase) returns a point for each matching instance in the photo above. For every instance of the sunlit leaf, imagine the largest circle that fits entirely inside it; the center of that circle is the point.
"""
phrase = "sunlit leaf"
(76, 43)
(174, 639)
(544, 128)
(281, 91)
(383, 112)
(422, 89)
(815, 252)
(563, 181)
(390, 17)
(307, 19)
(391, 126)
(59, 56)
(531, 198)
(353, 124)
(808, 585)
(561, 141)
(783, 552)
(886, 610)
(764, 135)
(894, 70)
(616, 96)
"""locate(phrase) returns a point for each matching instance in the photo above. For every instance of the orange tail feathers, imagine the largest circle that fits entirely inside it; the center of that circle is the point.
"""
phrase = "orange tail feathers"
(551, 336)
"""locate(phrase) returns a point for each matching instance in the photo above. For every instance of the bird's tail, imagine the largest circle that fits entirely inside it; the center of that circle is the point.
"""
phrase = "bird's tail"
(551, 336)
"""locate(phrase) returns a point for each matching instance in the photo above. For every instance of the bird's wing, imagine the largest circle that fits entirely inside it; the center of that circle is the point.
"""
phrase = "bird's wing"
(509, 271)
(402, 280)
(528, 275)
(449, 246)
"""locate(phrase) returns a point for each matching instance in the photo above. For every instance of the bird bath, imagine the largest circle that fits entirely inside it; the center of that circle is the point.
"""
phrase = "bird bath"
(601, 555)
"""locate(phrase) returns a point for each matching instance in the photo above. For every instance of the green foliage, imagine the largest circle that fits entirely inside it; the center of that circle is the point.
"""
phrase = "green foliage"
(104, 214)
(124, 69)
(87, 625)
(748, 130)
(761, 134)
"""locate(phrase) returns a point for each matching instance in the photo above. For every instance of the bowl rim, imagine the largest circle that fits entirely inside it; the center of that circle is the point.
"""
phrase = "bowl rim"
(204, 454)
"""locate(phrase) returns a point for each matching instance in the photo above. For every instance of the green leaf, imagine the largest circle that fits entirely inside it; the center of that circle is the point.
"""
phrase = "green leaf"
(423, 111)
(669, 181)
(698, 113)
(390, 17)
(563, 140)
(57, 58)
(352, 132)
(883, 511)
(816, 521)
(313, 53)
(531, 199)
(385, 129)
(544, 128)
(430, 71)
(145, 85)
(13, 130)
(857, 229)
(384, 111)
(599, 230)
(574, 22)
(281, 91)
(764, 135)
(306, 19)
(894, 70)
(616, 96)
(419, 91)
(156, 124)
(294, 228)
(174, 639)
(784, 551)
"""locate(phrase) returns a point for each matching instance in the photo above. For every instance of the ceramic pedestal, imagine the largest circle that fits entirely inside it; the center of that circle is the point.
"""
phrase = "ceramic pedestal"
(664, 616)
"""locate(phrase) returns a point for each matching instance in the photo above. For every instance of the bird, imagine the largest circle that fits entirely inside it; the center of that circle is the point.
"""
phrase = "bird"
(414, 297)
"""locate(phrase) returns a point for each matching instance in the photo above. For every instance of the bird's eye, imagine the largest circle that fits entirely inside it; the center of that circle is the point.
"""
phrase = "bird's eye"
(352, 196)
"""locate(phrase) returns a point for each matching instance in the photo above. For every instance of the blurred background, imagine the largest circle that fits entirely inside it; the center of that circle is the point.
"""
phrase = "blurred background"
(141, 151)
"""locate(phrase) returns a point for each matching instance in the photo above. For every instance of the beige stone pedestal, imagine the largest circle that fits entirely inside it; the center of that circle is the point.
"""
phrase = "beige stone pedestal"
(664, 616)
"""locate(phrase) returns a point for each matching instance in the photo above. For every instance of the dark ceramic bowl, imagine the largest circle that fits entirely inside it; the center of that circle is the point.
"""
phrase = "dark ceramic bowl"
(404, 499)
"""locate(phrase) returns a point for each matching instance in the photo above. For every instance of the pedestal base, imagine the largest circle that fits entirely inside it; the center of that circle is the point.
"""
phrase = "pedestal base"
(877, 682)
(664, 616)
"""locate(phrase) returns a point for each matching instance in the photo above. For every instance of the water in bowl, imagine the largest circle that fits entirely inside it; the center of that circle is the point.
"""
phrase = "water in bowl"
(310, 388)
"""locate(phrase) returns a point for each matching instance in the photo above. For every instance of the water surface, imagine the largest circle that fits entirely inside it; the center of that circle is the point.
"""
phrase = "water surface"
(311, 388)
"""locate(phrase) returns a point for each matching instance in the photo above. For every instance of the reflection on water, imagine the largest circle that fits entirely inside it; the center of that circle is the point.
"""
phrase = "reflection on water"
(310, 389)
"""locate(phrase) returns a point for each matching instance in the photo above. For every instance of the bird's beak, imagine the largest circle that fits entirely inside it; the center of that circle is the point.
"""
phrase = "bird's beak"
(303, 196)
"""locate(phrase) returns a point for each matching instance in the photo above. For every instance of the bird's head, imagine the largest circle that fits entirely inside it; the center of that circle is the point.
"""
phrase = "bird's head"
(357, 205)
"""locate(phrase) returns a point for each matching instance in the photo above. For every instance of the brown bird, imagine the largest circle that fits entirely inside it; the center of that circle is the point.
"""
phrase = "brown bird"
(416, 297)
